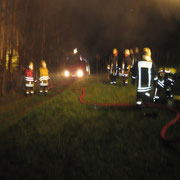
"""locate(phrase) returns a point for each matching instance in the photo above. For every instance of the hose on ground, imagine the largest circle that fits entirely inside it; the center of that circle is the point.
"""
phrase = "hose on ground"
(163, 130)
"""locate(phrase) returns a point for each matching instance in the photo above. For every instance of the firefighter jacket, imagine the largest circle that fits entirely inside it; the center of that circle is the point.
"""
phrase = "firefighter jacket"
(132, 59)
(114, 66)
(137, 57)
(44, 76)
(126, 64)
(135, 60)
(165, 80)
(29, 78)
(145, 71)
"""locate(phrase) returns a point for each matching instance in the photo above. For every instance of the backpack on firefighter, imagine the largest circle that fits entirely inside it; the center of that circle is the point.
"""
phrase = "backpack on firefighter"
(165, 82)
(29, 80)
(44, 77)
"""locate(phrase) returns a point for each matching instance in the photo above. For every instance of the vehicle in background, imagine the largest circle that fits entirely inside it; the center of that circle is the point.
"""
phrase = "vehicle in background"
(76, 66)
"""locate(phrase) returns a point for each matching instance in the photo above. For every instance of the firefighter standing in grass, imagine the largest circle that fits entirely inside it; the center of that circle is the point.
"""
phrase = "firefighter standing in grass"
(44, 77)
(126, 65)
(165, 82)
(108, 72)
(29, 80)
(132, 57)
(137, 57)
(114, 67)
(145, 71)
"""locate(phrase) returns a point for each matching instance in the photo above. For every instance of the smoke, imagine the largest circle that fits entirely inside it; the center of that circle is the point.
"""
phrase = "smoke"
(139, 23)
(168, 8)
(105, 24)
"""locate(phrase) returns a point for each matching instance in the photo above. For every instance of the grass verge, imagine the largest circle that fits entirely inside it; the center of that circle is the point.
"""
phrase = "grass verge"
(64, 139)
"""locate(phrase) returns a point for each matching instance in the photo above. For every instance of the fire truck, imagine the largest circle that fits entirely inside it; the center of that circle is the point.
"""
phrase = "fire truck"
(76, 66)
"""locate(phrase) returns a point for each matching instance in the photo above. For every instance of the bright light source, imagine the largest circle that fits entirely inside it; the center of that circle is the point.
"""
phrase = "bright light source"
(79, 73)
(75, 51)
(66, 73)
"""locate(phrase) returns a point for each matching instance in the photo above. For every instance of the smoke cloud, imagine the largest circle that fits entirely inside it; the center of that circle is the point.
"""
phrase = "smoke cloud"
(105, 24)
(169, 8)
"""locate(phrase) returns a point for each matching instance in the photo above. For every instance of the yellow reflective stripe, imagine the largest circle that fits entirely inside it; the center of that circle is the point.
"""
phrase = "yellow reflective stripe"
(168, 70)
(177, 97)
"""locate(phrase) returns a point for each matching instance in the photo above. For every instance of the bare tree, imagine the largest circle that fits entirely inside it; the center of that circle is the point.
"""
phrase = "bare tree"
(3, 48)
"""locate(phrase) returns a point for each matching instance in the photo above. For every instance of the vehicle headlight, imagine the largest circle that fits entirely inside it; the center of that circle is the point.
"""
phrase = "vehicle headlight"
(66, 73)
(79, 73)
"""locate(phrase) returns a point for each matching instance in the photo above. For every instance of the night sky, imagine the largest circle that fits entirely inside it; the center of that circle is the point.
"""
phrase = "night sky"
(114, 23)
(98, 26)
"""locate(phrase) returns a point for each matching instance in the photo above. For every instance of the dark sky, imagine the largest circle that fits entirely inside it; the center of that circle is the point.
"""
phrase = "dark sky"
(108, 23)
(101, 25)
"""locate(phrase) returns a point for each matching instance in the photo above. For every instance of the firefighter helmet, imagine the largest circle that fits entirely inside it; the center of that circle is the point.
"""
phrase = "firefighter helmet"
(147, 51)
(108, 66)
(115, 51)
(43, 63)
(31, 65)
(75, 51)
(147, 54)
(127, 52)
(131, 51)
(167, 70)
(136, 50)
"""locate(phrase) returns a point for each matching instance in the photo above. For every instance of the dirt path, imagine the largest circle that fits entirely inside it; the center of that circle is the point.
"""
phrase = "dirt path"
(29, 103)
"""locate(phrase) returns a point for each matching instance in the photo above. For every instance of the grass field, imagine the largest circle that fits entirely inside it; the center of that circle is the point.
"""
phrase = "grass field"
(57, 137)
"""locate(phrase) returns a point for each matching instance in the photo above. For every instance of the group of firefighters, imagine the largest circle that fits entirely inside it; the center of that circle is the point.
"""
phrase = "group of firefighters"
(43, 79)
(139, 66)
(142, 69)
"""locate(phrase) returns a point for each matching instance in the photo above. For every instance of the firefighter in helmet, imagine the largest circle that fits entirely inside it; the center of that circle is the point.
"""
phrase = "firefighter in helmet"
(114, 67)
(137, 57)
(145, 72)
(132, 56)
(29, 80)
(44, 77)
(126, 65)
(165, 82)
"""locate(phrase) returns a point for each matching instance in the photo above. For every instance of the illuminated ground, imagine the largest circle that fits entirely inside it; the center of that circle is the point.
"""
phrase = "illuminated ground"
(57, 137)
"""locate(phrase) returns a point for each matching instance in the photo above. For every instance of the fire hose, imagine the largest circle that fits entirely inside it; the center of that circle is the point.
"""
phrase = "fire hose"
(163, 130)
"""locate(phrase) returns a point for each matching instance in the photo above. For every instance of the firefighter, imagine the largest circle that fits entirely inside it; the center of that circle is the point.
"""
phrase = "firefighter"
(114, 67)
(165, 84)
(145, 71)
(134, 64)
(85, 65)
(108, 72)
(126, 65)
(137, 55)
(29, 80)
(44, 77)
(132, 57)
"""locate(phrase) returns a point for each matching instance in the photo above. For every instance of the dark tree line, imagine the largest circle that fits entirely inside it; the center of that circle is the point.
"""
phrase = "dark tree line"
(25, 35)
(32, 30)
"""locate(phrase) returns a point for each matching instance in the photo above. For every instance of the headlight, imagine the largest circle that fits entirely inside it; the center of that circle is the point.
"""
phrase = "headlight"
(79, 73)
(66, 73)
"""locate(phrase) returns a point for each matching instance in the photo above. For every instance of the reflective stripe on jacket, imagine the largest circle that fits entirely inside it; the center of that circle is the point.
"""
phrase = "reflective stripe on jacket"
(144, 76)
